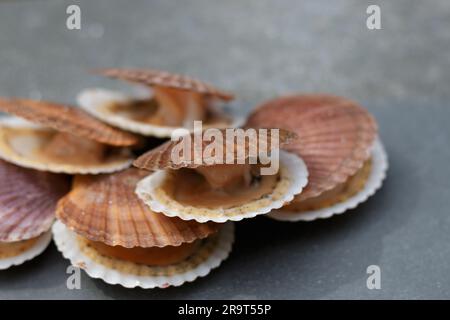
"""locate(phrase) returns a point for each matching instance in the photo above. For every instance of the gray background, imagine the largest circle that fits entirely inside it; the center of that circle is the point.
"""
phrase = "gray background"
(260, 49)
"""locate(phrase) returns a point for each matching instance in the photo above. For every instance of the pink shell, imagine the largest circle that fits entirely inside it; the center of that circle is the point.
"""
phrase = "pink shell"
(27, 201)
(335, 135)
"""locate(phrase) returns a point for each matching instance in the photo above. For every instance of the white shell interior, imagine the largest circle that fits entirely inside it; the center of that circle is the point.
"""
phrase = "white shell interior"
(66, 242)
(298, 175)
(39, 247)
(94, 101)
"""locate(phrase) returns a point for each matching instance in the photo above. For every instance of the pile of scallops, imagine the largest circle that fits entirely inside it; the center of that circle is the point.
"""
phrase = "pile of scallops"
(100, 179)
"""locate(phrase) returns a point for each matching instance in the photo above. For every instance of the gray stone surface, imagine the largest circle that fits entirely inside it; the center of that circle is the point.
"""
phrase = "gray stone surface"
(260, 49)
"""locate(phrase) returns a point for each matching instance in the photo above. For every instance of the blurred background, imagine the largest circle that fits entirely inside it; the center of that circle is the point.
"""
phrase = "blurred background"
(259, 49)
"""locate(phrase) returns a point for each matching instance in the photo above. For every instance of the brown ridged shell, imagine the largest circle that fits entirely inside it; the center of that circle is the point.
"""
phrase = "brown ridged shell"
(64, 118)
(27, 201)
(150, 77)
(335, 135)
(161, 157)
(105, 208)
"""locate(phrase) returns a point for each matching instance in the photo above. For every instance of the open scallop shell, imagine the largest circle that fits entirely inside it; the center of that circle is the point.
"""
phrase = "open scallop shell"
(67, 119)
(210, 255)
(293, 177)
(151, 77)
(162, 156)
(39, 247)
(97, 102)
(334, 135)
(27, 201)
(374, 182)
(105, 208)
(20, 151)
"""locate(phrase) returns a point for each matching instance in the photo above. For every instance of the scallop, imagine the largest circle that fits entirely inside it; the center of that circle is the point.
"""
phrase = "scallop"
(28, 201)
(177, 101)
(104, 208)
(68, 119)
(335, 136)
(158, 78)
(162, 156)
(61, 139)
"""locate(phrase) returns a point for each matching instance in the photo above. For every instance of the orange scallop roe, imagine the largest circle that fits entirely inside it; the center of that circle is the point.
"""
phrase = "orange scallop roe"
(13, 249)
(154, 256)
(233, 185)
(179, 106)
(338, 194)
(66, 147)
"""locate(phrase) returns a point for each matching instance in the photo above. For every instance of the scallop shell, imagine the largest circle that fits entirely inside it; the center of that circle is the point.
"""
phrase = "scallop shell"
(21, 151)
(293, 177)
(95, 101)
(335, 135)
(39, 247)
(67, 119)
(105, 208)
(374, 182)
(209, 256)
(150, 77)
(161, 157)
(27, 201)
